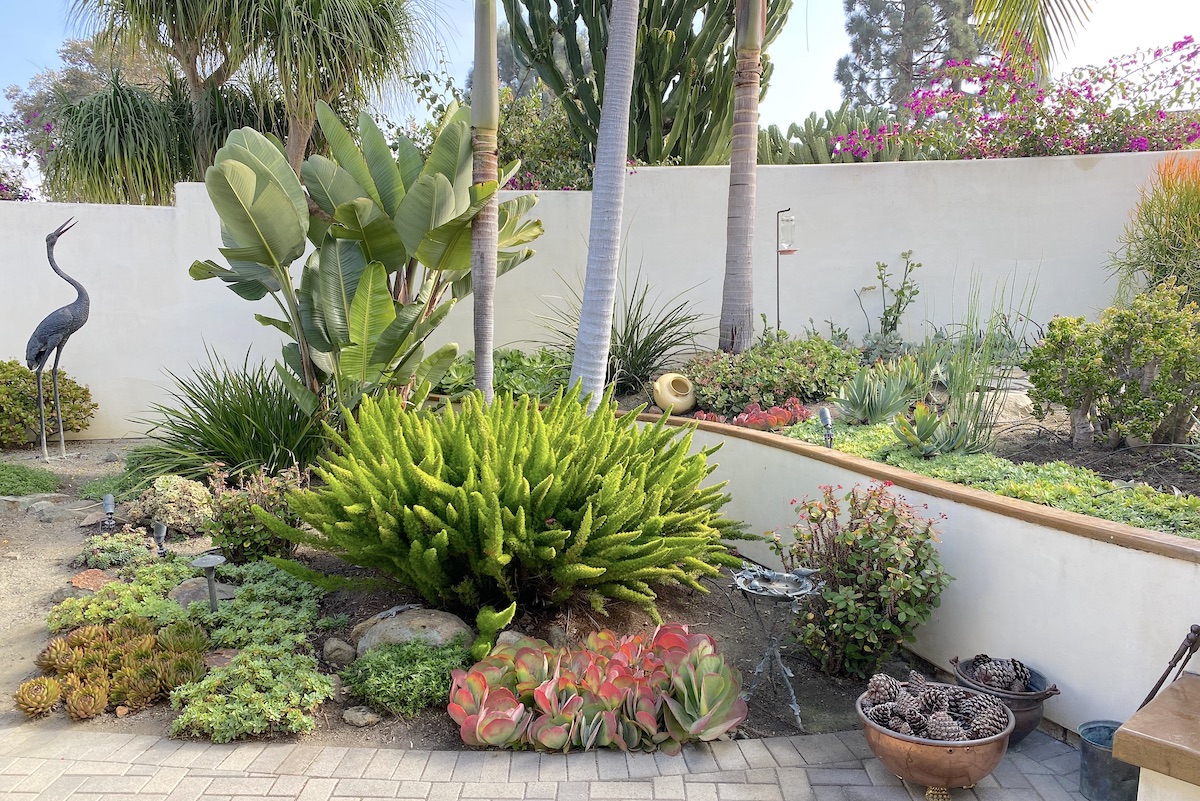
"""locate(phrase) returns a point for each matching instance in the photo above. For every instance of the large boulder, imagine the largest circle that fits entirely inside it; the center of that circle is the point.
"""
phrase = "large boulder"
(432, 625)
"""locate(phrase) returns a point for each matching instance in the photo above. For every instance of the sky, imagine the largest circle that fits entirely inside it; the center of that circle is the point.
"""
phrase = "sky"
(804, 54)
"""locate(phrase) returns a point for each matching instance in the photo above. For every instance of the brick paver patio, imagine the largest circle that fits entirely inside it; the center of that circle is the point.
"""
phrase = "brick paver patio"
(49, 762)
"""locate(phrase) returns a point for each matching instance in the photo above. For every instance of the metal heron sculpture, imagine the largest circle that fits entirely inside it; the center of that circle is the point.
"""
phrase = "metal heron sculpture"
(52, 334)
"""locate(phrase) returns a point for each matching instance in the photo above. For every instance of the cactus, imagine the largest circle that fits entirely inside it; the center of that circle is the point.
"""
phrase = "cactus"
(682, 107)
(848, 135)
(38, 697)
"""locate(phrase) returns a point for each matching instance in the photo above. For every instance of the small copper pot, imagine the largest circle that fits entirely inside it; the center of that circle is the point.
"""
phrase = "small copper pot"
(935, 763)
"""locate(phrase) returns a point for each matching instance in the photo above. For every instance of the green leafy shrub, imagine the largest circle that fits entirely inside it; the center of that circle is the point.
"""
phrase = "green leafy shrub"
(636, 693)
(512, 502)
(539, 375)
(648, 334)
(18, 404)
(180, 504)
(1136, 372)
(19, 479)
(404, 678)
(1162, 238)
(769, 373)
(879, 571)
(1060, 485)
(235, 529)
(144, 595)
(126, 547)
(265, 689)
(269, 606)
(242, 418)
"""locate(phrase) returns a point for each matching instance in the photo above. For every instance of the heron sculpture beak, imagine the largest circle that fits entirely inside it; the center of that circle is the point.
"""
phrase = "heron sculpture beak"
(62, 229)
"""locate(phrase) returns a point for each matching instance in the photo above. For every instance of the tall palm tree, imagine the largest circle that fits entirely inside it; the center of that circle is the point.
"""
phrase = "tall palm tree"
(203, 37)
(339, 51)
(485, 120)
(590, 363)
(737, 298)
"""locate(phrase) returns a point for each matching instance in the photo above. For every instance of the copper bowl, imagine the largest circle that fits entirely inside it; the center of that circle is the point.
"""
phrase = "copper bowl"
(935, 763)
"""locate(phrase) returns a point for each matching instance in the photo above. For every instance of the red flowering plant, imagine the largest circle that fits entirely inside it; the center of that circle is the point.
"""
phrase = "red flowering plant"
(880, 575)
(1000, 108)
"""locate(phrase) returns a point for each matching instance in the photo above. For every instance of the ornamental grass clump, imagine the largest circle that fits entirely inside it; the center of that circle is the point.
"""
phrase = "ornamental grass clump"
(879, 571)
(515, 503)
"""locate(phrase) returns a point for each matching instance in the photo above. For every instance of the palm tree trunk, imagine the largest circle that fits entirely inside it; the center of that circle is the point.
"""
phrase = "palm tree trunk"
(590, 364)
(737, 298)
(485, 120)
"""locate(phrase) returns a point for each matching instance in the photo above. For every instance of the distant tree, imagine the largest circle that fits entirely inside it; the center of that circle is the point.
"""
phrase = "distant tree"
(894, 42)
(535, 129)
(522, 80)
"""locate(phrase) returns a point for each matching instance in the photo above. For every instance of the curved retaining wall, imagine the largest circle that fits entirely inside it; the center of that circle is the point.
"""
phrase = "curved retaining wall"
(1098, 607)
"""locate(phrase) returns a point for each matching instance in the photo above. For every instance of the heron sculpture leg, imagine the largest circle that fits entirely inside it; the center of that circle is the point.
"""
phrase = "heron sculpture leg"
(62, 438)
(41, 413)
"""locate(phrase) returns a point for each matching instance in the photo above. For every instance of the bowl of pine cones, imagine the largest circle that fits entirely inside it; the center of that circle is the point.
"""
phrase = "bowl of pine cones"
(937, 735)
(1022, 689)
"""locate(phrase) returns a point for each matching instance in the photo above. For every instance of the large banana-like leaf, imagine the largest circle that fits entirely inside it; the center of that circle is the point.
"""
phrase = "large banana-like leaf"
(448, 246)
(381, 164)
(312, 307)
(345, 152)
(505, 260)
(409, 160)
(451, 157)
(342, 267)
(362, 221)
(512, 231)
(428, 204)
(433, 369)
(371, 312)
(275, 322)
(329, 184)
(257, 151)
(398, 344)
(305, 398)
(248, 288)
(260, 218)
(396, 334)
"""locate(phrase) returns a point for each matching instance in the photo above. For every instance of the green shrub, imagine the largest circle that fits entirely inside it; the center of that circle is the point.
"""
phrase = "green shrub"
(19, 479)
(269, 606)
(404, 678)
(510, 502)
(1162, 238)
(1136, 372)
(769, 373)
(182, 505)
(235, 529)
(145, 595)
(540, 375)
(18, 404)
(265, 689)
(126, 547)
(880, 573)
(242, 418)
(1063, 486)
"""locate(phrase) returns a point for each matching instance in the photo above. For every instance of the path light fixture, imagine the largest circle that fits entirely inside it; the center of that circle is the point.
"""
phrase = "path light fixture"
(827, 423)
(160, 537)
(785, 245)
(108, 525)
(209, 563)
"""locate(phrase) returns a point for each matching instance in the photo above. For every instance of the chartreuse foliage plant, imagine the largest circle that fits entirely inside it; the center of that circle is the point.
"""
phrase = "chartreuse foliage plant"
(404, 678)
(143, 595)
(640, 692)
(18, 405)
(514, 503)
(1057, 484)
(19, 479)
(879, 571)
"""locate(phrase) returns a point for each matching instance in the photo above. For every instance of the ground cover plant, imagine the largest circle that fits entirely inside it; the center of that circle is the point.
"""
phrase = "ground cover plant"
(143, 595)
(540, 374)
(19, 479)
(18, 404)
(512, 503)
(405, 678)
(1057, 484)
(127, 547)
(639, 692)
(881, 576)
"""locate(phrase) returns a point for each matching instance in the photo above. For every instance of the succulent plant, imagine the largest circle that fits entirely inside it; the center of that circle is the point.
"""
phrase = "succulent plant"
(183, 636)
(87, 700)
(57, 657)
(87, 636)
(129, 627)
(135, 687)
(38, 697)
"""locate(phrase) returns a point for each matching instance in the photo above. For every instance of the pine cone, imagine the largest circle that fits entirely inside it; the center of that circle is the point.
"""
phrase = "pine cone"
(943, 727)
(882, 687)
(881, 713)
(933, 700)
(37, 697)
(998, 673)
(989, 722)
(1023, 675)
(979, 659)
(916, 682)
(899, 725)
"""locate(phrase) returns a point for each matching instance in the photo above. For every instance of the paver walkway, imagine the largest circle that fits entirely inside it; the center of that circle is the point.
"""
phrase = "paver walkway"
(41, 763)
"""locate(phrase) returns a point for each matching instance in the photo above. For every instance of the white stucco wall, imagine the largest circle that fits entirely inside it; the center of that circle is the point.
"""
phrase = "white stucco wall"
(1055, 219)
(1098, 619)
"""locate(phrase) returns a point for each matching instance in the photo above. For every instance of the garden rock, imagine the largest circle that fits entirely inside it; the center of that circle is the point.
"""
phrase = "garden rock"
(21, 503)
(196, 589)
(92, 519)
(69, 591)
(338, 653)
(361, 716)
(50, 512)
(1013, 406)
(359, 630)
(338, 687)
(92, 579)
(510, 637)
(432, 625)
